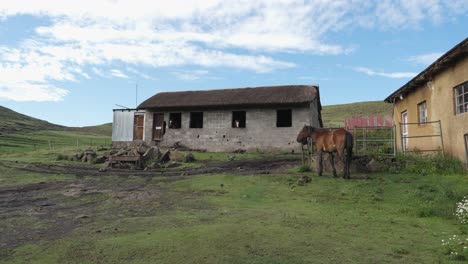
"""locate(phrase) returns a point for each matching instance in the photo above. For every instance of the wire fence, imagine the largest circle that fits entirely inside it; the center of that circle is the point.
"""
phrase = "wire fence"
(374, 140)
(21, 142)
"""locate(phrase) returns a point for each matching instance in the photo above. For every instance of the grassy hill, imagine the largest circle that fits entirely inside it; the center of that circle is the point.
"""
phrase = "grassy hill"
(12, 122)
(334, 115)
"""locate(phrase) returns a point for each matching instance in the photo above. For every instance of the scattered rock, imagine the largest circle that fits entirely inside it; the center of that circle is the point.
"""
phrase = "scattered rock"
(90, 158)
(172, 164)
(102, 169)
(81, 217)
(45, 204)
(100, 159)
(303, 180)
(239, 151)
(231, 158)
(166, 156)
(189, 157)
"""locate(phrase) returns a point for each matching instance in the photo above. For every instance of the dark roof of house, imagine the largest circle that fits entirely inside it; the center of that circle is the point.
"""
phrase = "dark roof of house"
(256, 96)
(452, 56)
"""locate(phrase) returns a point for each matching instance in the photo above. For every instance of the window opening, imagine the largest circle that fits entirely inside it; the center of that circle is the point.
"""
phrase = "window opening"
(461, 98)
(196, 119)
(284, 118)
(238, 119)
(175, 120)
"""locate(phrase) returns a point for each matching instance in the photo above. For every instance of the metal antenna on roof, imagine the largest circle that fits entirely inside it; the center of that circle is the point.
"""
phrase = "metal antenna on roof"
(122, 106)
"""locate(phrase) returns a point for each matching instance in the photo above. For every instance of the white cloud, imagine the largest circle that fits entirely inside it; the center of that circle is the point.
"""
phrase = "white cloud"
(397, 75)
(242, 34)
(118, 74)
(425, 59)
(190, 75)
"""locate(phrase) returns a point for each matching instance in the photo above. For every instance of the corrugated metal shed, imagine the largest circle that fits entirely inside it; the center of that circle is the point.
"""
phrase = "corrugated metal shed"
(122, 125)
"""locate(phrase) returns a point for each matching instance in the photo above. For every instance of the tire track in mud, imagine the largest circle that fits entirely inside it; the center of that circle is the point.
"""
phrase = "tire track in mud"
(253, 166)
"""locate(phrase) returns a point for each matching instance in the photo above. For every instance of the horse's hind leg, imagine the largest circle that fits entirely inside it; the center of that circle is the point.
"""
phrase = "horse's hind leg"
(332, 162)
(348, 165)
(320, 163)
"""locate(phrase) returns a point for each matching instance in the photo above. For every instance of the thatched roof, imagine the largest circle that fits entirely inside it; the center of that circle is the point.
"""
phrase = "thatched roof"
(257, 96)
(459, 52)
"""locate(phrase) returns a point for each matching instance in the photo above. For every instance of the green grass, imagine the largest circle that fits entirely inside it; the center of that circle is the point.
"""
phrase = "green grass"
(46, 145)
(334, 115)
(14, 179)
(397, 218)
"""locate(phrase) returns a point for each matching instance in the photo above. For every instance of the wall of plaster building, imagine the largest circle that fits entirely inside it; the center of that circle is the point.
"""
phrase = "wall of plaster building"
(440, 100)
(217, 134)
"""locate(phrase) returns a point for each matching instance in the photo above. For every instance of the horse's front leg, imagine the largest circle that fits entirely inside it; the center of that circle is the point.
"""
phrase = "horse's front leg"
(332, 162)
(320, 163)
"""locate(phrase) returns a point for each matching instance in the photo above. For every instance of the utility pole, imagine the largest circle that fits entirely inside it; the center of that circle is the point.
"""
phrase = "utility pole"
(136, 95)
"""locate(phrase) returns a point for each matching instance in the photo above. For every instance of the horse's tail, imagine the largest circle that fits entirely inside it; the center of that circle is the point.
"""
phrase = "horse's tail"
(349, 146)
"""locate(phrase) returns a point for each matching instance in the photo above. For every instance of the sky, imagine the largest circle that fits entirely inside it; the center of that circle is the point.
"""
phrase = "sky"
(72, 62)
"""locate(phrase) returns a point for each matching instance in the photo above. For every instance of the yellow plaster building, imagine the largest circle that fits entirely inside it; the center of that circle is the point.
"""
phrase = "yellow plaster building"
(431, 110)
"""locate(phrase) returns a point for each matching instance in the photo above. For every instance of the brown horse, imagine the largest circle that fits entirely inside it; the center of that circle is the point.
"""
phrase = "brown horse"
(336, 140)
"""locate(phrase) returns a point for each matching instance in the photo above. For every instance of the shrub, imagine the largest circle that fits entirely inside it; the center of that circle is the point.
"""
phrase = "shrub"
(456, 247)
(304, 168)
(438, 164)
(62, 157)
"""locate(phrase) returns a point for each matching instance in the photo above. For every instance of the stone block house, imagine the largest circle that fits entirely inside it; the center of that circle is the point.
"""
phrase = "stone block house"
(252, 119)
(431, 110)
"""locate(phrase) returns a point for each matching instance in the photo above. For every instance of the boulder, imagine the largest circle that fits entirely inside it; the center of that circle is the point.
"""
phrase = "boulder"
(152, 153)
(90, 158)
(100, 159)
(166, 157)
(189, 157)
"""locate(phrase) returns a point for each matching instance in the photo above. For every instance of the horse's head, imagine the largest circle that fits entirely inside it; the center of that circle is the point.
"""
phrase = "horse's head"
(304, 134)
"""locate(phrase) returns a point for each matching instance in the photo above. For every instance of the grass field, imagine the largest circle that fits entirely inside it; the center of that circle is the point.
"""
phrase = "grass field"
(233, 218)
(45, 145)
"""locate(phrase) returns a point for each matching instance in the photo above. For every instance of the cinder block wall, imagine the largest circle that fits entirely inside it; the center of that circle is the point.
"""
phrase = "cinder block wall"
(217, 134)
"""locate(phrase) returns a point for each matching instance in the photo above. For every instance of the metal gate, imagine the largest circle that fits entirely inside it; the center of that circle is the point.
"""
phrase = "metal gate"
(417, 137)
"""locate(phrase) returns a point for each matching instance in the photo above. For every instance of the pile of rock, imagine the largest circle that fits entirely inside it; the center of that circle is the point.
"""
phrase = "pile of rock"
(89, 156)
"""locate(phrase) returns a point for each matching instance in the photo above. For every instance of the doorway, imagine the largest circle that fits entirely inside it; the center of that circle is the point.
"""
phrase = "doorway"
(404, 131)
(158, 126)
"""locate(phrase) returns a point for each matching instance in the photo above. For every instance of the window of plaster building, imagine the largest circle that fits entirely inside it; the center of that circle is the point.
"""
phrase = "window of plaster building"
(461, 98)
(238, 119)
(422, 110)
(175, 120)
(284, 118)
(196, 119)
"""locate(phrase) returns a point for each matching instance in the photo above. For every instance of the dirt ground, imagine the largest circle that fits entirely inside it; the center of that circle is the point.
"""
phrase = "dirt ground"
(52, 209)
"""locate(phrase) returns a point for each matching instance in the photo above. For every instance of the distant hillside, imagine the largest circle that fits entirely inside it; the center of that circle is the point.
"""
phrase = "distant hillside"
(334, 115)
(14, 122)
(104, 129)
(11, 122)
